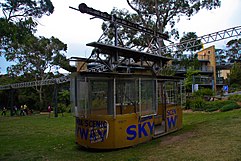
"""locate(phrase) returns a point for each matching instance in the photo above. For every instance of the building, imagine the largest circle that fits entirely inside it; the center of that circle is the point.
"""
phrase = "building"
(211, 74)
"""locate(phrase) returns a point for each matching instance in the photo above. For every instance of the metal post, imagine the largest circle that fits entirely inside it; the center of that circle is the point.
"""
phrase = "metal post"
(55, 100)
(11, 100)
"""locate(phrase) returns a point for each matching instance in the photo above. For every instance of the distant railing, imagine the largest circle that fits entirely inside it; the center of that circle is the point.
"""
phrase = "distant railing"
(202, 80)
(220, 80)
(201, 69)
(36, 83)
(205, 69)
(203, 57)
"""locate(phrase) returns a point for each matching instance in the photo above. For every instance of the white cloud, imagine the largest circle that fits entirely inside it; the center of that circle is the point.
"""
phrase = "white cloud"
(74, 28)
(205, 22)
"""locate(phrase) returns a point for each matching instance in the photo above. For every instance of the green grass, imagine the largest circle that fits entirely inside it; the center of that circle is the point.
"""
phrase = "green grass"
(204, 137)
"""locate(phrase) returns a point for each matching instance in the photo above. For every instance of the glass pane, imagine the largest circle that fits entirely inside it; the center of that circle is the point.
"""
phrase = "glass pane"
(81, 97)
(126, 96)
(148, 97)
(98, 97)
(78, 90)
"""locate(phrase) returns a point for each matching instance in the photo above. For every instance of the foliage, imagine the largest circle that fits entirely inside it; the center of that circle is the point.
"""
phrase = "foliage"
(64, 99)
(39, 55)
(234, 50)
(216, 105)
(18, 21)
(190, 36)
(189, 80)
(229, 107)
(167, 70)
(29, 96)
(235, 97)
(18, 9)
(197, 104)
(38, 59)
(62, 108)
(235, 73)
(157, 15)
(204, 92)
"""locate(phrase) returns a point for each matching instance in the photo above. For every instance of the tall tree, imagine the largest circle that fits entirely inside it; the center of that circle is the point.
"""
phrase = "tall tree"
(18, 20)
(235, 73)
(17, 10)
(39, 57)
(234, 50)
(161, 15)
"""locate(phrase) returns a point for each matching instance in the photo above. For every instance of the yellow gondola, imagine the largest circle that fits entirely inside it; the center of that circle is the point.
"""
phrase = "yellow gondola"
(115, 108)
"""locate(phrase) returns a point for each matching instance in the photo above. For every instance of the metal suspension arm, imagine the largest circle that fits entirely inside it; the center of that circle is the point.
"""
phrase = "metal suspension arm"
(83, 8)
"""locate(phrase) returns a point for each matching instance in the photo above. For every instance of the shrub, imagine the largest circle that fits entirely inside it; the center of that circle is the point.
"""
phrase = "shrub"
(63, 108)
(197, 104)
(215, 105)
(235, 97)
(212, 109)
(204, 93)
(229, 107)
(188, 103)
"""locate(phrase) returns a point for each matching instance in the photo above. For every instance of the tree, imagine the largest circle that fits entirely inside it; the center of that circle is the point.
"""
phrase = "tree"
(34, 56)
(19, 20)
(189, 78)
(190, 36)
(18, 10)
(235, 73)
(64, 99)
(234, 50)
(160, 15)
(39, 58)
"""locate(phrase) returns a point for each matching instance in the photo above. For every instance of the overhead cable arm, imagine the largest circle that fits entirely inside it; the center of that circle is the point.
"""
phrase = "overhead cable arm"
(83, 8)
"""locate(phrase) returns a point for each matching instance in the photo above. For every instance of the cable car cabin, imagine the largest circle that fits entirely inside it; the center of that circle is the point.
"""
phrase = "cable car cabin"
(120, 109)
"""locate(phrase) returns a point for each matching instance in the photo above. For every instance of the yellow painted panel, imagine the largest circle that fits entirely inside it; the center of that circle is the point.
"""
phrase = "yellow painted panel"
(104, 132)
(173, 118)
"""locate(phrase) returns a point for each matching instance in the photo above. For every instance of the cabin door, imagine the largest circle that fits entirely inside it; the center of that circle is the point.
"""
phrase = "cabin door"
(160, 117)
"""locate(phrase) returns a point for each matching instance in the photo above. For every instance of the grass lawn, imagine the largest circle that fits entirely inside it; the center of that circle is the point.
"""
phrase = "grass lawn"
(204, 137)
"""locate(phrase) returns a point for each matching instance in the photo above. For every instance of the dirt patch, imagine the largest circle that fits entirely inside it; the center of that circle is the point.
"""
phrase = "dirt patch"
(177, 138)
(187, 111)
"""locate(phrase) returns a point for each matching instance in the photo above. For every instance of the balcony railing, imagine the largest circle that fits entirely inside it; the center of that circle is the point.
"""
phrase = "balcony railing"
(220, 80)
(203, 57)
(201, 69)
(205, 69)
(202, 80)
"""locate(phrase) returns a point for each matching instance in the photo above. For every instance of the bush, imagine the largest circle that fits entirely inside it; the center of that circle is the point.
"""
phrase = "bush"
(205, 93)
(235, 97)
(212, 109)
(229, 107)
(63, 108)
(216, 105)
(197, 104)
(188, 103)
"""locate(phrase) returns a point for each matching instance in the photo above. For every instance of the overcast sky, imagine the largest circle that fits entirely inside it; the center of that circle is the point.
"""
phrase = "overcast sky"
(76, 29)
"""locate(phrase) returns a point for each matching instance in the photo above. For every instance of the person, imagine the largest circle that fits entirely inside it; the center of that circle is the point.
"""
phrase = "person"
(21, 111)
(15, 110)
(25, 109)
(4, 111)
(49, 110)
